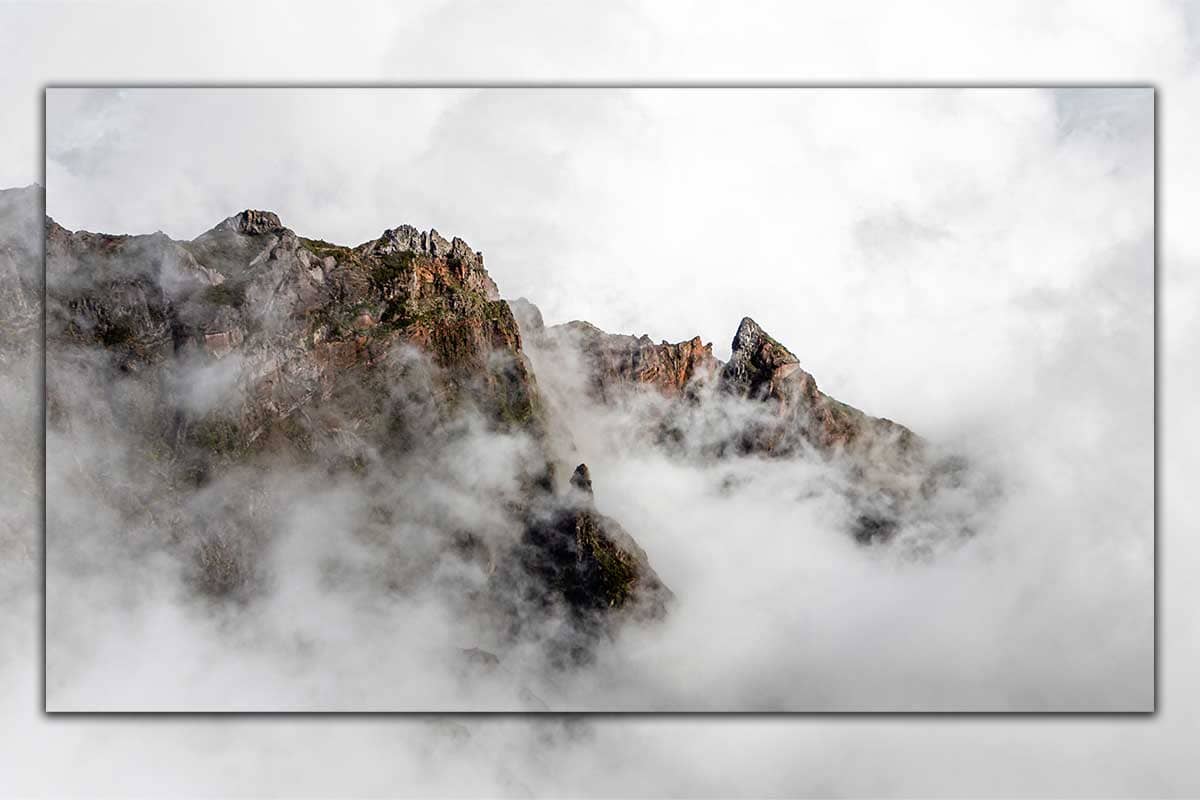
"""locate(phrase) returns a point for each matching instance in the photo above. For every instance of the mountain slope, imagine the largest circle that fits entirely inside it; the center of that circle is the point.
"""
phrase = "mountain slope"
(203, 391)
(217, 364)
(761, 403)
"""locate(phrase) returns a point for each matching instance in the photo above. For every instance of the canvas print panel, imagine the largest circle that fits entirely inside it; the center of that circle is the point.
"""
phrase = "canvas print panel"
(578, 399)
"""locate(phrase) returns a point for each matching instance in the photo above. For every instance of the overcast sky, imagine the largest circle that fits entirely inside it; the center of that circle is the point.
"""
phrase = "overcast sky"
(1030, 41)
(903, 243)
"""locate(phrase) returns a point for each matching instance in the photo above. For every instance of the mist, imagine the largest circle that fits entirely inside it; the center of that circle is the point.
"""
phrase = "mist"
(867, 755)
(347, 600)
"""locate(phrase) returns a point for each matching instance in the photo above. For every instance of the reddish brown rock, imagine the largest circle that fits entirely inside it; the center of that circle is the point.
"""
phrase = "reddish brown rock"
(221, 344)
(618, 362)
(348, 359)
(760, 368)
(782, 411)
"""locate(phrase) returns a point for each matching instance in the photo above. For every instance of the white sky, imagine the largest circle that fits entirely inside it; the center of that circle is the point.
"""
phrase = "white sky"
(903, 243)
(1029, 41)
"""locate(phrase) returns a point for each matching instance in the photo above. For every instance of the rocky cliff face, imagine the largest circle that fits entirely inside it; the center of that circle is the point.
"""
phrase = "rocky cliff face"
(762, 369)
(199, 369)
(777, 411)
(215, 360)
(617, 362)
(598, 563)
(592, 561)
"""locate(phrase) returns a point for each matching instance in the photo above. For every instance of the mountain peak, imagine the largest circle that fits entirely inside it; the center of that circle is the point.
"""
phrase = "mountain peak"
(748, 327)
(758, 361)
(467, 264)
(253, 222)
(752, 341)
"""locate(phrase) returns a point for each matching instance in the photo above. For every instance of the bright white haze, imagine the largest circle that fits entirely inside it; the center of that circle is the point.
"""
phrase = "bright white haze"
(975, 264)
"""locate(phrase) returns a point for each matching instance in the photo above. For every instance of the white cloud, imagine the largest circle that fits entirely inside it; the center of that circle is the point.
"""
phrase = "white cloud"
(1033, 41)
(669, 212)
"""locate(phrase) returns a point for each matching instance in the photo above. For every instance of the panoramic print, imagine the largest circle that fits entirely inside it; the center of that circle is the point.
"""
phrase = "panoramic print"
(594, 399)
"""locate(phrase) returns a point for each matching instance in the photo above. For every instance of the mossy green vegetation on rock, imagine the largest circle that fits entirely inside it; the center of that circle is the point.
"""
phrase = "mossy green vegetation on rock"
(225, 294)
(322, 248)
(216, 433)
(616, 569)
(591, 562)
(390, 271)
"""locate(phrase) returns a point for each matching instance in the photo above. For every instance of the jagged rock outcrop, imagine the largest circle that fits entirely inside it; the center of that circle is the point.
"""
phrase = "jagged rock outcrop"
(891, 469)
(141, 311)
(465, 263)
(250, 343)
(762, 369)
(592, 560)
(304, 314)
(888, 467)
(255, 222)
(251, 346)
(617, 362)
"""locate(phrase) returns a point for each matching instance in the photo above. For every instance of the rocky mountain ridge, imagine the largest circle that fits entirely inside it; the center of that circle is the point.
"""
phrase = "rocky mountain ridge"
(251, 346)
(347, 360)
(890, 469)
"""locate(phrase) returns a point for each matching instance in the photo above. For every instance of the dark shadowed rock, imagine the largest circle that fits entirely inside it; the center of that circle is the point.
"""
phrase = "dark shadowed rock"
(581, 479)
(594, 565)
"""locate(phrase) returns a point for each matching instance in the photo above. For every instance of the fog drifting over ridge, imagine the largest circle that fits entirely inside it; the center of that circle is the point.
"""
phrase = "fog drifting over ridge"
(674, 213)
(1017, 620)
(821, 757)
(772, 590)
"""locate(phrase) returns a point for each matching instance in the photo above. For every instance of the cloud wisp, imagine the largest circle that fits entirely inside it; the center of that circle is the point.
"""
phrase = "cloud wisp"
(496, 757)
(754, 549)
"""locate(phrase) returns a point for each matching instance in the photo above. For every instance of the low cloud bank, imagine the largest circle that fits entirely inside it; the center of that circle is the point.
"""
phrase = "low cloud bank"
(348, 600)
